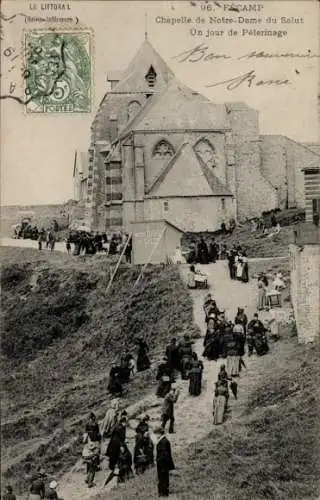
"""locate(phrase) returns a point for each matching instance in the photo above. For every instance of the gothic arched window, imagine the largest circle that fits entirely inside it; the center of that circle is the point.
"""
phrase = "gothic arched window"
(151, 77)
(133, 109)
(163, 149)
(206, 151)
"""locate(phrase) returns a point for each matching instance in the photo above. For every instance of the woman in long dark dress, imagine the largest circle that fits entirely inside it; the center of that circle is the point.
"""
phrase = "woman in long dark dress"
(115, 384)
(124, 464)
(195, 377)
(125, 369)
(221, 395)
(117, 440)
(143, 361)
(211, 341)
(143, 453)
(203, 252)
(231, 263)
(245, 268)
(213, 251)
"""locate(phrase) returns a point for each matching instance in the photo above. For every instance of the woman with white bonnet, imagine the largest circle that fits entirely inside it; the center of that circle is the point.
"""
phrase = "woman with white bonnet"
(51, 493)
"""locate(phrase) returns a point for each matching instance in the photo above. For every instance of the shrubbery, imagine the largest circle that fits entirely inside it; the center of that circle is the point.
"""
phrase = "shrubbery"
(33, 320)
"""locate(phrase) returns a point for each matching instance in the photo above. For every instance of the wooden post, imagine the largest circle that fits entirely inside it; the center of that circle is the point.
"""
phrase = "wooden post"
(118, 263)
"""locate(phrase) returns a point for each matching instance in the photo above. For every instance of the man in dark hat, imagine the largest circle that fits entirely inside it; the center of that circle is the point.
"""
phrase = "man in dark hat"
(38, 483)
(256, 337)
(164, 464)
(164, 377)
(143, 425)
(172, 353)
(143, 361)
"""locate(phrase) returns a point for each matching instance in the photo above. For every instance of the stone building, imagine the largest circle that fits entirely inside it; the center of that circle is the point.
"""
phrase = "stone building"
(160, 150)
(305, 281)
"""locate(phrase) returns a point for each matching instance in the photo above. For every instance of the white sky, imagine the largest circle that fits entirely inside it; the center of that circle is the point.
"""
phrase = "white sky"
(38, 150)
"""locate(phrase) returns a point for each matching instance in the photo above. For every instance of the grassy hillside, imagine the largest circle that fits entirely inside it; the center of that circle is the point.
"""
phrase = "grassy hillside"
(61, 331)
(255, 244)
(269, 446)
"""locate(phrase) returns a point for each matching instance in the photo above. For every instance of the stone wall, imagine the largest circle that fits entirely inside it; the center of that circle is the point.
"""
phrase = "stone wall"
(305, 290)
(282, 161)
(274, 165)
(191, 213)
(254, 193)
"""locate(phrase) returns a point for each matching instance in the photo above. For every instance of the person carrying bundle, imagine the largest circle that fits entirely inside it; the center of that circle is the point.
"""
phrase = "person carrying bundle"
(144, 448)
(164, 377)
(91, 450)
(256, 337)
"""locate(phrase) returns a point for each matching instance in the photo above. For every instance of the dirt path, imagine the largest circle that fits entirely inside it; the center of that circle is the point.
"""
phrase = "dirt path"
(193, 415)
(60, 246)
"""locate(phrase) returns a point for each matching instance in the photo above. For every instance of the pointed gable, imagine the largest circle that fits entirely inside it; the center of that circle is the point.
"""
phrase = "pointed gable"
(145, 63)
(186, 176)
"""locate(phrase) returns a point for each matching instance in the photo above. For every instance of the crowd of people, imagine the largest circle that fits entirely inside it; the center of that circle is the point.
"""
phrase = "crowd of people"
(224, 339)
(41, 487)
(201, 252)
(89, 243)
(238, 264)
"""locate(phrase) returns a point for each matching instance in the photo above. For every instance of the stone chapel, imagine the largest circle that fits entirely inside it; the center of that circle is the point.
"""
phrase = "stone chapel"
(160, 150)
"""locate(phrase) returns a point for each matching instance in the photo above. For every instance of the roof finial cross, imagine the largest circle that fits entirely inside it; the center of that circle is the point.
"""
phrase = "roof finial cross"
(146, 26)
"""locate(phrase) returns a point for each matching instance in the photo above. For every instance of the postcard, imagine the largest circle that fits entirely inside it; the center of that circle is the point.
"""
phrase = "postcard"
(177, 134)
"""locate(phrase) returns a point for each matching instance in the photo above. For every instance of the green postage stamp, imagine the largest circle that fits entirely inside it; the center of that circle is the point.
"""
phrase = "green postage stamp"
(58, 71)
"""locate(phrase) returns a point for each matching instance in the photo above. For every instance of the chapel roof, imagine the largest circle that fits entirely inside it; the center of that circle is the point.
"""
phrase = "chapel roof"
(314, 146)
(178, 107)
(191, 178)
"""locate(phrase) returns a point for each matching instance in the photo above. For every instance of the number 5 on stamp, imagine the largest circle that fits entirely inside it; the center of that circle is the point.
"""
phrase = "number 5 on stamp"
(58, 76)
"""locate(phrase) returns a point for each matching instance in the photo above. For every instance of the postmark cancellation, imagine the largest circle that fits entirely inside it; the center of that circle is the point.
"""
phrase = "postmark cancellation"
(58, 71)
